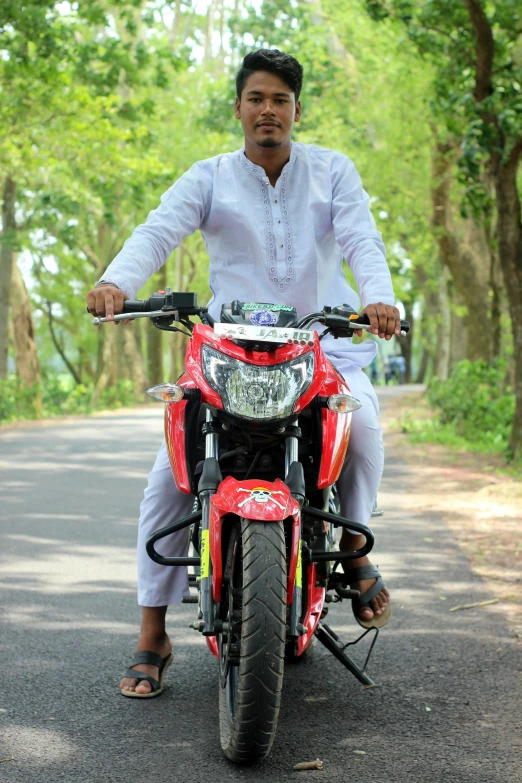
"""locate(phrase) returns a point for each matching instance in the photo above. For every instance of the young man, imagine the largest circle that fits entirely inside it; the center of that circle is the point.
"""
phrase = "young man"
(277, 218)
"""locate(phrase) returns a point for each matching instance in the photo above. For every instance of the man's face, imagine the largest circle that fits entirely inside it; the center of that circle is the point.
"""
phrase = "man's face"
(267, 110)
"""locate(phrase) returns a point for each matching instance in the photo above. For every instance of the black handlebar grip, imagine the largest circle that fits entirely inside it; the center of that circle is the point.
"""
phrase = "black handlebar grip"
(405, 325)
(136, 306)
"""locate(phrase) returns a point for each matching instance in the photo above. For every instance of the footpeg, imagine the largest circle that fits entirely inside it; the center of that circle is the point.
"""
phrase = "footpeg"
(347, 592)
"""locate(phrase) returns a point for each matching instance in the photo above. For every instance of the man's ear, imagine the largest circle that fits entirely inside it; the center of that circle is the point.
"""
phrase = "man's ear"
(297, 116)
(237, 110)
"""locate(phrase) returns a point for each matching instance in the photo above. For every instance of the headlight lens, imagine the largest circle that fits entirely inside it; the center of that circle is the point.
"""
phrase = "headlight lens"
(254, 392)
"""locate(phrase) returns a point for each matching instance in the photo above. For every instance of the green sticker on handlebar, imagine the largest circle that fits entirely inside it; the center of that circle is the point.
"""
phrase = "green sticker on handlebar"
(205, 555)
(276, 308)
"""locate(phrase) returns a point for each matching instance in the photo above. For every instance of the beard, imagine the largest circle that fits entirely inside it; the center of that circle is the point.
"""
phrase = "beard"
(268, 143)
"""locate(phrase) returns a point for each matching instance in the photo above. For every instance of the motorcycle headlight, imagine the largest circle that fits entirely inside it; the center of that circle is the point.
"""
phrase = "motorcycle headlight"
(254, 392)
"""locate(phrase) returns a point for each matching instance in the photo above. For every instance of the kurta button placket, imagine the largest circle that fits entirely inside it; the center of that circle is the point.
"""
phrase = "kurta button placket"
(277, 224)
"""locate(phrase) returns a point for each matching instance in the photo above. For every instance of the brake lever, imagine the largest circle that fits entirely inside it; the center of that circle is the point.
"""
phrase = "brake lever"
(173, 314)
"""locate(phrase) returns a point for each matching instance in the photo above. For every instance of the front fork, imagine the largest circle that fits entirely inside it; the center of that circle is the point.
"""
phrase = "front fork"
(208, 484)
(294, 478)
(210, 478)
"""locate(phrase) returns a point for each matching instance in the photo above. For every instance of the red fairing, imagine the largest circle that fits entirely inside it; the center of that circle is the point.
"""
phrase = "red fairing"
(336, 431)
(175, 436)
(204, 335)
(313, 612)
(266, 501)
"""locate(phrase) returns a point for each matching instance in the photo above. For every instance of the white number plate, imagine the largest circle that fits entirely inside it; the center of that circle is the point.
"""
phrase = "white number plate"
(265, 334)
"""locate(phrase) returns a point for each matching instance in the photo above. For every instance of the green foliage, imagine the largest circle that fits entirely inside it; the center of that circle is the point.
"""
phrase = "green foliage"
(473, 408)
(443, 34)
(59, 397)
(105, 104)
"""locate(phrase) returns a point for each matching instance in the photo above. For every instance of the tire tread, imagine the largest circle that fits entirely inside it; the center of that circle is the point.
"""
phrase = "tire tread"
(252, 733)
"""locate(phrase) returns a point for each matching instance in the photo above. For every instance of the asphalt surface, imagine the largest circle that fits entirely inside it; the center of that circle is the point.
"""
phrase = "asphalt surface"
(449, 703)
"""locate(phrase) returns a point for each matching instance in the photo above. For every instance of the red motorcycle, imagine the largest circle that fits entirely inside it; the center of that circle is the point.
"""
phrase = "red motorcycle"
(257, 429)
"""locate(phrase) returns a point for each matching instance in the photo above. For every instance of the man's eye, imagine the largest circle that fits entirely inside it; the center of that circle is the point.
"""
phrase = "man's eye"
(281, 100)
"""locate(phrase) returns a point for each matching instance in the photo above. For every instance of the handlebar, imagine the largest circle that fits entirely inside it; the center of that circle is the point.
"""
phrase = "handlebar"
(167, 306)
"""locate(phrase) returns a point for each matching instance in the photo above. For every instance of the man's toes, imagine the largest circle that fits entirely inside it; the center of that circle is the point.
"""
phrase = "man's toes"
(382, 601)
(127, 685)
(366, 613)
(143, 687)
(379, 605)
(375, 604)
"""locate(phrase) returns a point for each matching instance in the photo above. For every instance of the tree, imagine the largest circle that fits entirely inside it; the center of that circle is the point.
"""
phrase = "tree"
(474, 48)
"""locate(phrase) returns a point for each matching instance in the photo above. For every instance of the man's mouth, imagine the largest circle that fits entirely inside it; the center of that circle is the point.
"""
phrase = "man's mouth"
(268, 125)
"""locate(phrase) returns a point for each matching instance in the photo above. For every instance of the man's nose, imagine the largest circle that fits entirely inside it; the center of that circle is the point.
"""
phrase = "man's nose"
(267, 107)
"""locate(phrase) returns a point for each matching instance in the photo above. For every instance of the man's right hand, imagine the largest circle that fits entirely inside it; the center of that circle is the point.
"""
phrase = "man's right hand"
(106, 300)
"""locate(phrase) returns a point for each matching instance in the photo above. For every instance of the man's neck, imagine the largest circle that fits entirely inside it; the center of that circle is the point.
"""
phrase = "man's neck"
(271, 159)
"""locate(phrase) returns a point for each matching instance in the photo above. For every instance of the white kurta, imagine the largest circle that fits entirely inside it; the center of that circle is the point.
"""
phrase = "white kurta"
(282, 245)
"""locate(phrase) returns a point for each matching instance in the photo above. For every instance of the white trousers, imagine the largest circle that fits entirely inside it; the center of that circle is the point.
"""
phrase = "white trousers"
(163, 503)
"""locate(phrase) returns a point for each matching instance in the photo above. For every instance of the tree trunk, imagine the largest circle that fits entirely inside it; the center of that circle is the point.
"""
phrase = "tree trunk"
(406, 343)
(209, 32)
(509, 231)
(59, 347)
(178, 341)
(134, 361)
(106, 364)
(459, 348)
(175, 27)
(496, 307)
(443, 340)
(465, 251)
(155, 337)
(503, 166)
(423, 367)
(7, 260)
(26, 357)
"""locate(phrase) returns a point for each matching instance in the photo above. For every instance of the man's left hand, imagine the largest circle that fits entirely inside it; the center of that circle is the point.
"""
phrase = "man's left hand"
(384, 320)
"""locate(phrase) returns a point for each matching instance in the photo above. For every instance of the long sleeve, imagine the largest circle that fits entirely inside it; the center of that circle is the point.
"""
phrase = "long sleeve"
(356, 234)
(182, 210)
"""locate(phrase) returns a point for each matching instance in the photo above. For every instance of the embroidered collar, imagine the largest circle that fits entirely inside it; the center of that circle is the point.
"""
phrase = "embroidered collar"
(258, 171)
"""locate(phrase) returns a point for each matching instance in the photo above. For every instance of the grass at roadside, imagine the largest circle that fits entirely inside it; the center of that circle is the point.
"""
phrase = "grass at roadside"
(477, 494)
(58, 395)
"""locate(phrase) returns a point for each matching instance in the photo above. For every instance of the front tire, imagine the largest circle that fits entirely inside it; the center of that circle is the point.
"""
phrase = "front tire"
(250, 693)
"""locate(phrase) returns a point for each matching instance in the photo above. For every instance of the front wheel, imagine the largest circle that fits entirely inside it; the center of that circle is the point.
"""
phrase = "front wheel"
(252, 645)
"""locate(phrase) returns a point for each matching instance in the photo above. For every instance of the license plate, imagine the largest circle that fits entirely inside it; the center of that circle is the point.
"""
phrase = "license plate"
(263, 334)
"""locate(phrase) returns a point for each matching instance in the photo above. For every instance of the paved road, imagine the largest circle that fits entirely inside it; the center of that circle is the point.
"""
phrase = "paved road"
(448, 708)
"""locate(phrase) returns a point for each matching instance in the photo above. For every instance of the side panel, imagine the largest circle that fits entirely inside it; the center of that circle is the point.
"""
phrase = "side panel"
(336, 432)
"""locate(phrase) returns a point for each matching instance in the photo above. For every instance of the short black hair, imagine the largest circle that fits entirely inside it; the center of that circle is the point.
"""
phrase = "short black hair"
(283, 65)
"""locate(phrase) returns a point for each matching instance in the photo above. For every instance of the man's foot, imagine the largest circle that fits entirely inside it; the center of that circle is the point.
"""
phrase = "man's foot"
(381, 600)
(160, 645)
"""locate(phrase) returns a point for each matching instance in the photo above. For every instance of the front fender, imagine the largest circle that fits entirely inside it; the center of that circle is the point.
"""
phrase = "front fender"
(266, 501)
